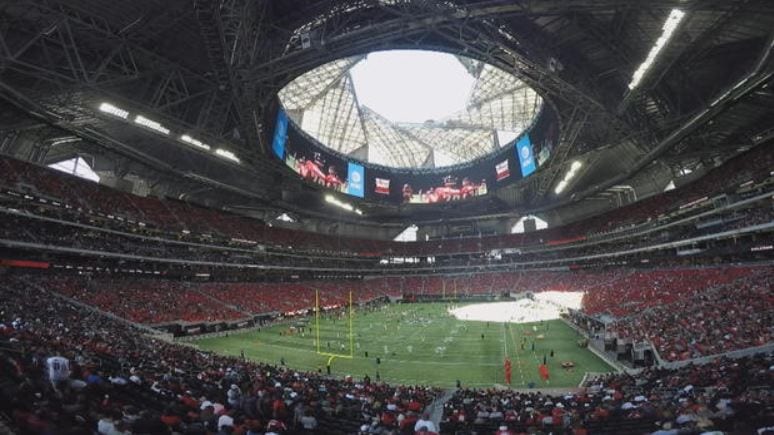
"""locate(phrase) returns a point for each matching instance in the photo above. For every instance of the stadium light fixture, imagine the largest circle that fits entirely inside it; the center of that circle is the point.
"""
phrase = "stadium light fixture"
(574, 168)
(113, 110)
(284, 217)
(670, 25)
(195, 142)
(330, 199)
(226, 154)
(64, 140)
(151, 124)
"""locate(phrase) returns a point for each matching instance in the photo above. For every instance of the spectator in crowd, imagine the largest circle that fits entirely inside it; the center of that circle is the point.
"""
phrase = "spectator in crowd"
(169, 387)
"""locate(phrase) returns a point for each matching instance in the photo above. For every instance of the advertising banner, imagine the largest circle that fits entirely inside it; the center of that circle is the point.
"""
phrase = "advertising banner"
(502, 170)
(382, 186)
(526, 157)
(345, 174)
(280, 135)
(355, 180)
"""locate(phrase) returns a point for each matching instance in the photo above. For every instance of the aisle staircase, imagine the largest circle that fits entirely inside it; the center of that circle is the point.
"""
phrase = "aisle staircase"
(435, 409)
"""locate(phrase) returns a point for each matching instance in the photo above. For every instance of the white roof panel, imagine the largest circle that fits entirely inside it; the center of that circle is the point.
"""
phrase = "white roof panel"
(325, 104)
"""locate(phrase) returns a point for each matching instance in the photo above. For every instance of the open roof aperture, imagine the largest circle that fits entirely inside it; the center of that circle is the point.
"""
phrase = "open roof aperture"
(411, 108)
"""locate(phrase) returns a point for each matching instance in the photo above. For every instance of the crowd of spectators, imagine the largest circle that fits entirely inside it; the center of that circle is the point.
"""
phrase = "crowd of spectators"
(292, 298)
(761, 214)
(494, 283)
(84, 197)
(76, 196)
(622, 293)
(155, 301)
(120, 380)
(23, 227)
(604, 291)
(724, 395)
(684, 312)
(730, 314)
(68, 369)
(147, 301)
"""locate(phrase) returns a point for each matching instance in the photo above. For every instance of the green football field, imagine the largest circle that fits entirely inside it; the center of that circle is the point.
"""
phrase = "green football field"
(420, 344)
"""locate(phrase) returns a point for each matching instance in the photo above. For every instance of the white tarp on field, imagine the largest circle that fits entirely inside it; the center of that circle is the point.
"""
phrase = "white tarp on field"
(544, 306)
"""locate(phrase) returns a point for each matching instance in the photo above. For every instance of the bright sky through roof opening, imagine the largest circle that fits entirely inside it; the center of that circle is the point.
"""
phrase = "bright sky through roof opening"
(412, 86)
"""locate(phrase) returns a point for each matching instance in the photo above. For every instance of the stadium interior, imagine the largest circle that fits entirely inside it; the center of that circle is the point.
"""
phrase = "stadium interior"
(248, 217)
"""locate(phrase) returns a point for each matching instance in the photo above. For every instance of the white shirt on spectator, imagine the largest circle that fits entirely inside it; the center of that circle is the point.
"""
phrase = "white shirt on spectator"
(308, 422)
(225, 420)
(234, 395)
(105, 426)
(424, 423)
(58, 368)
(117, 380)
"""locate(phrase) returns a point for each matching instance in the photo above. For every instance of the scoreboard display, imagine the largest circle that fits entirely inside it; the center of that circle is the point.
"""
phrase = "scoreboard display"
(319, 165)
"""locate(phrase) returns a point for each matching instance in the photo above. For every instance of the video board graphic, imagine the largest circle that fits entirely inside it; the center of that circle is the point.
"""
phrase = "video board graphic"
(319, 165)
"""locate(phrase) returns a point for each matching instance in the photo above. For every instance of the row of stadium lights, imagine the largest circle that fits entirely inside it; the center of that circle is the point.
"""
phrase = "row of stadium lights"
(158, 128)
(670, 25)
(668, 29)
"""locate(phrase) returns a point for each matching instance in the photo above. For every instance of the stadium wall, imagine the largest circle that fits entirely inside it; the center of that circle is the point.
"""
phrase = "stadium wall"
(343, 229)
(602, 355)
(736, 354)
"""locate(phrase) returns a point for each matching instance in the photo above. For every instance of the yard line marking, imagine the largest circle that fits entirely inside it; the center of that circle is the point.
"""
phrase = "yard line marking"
(518, 359)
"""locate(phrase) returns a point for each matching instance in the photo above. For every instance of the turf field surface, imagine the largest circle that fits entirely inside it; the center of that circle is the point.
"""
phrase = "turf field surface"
(419, 344)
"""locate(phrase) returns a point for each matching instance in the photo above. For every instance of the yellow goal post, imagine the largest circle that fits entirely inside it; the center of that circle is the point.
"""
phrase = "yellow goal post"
(351, 332)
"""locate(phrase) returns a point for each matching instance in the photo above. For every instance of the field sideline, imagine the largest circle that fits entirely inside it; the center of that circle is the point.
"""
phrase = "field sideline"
(421, 344)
